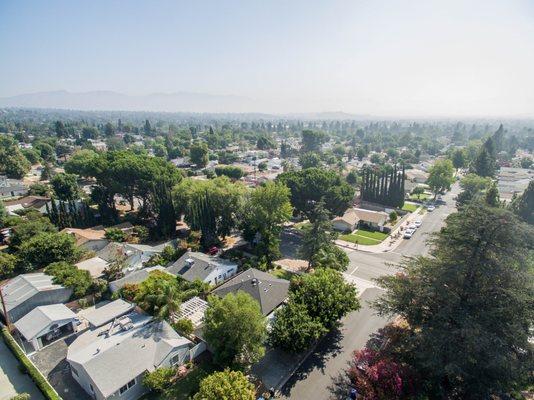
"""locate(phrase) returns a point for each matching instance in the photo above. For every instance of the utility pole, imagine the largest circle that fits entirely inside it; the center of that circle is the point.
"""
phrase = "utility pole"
(6, 315)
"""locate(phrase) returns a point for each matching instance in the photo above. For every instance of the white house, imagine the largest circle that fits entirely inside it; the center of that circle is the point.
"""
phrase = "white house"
(209, 269)
(109, 362)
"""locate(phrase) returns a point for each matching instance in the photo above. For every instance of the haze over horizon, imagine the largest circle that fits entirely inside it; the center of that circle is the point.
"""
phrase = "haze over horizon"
(385, 58)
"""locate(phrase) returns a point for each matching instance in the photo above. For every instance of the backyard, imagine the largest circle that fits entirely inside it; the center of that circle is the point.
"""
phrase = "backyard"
(364, 237)
(282, 273)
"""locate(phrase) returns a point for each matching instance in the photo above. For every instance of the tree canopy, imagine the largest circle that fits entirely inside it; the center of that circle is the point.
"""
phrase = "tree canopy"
(469, 305)
(235, 329)
(225, 385)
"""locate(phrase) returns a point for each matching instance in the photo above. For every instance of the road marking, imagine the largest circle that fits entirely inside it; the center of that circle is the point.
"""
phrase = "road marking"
(354, 270)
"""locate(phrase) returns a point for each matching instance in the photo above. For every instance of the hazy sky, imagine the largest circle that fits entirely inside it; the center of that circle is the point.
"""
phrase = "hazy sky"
(394, 57)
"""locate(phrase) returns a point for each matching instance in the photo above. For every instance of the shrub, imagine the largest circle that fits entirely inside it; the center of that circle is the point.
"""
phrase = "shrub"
(21, 396)
(43, 385)
(393, 216)
(115, 235)
(159, 379)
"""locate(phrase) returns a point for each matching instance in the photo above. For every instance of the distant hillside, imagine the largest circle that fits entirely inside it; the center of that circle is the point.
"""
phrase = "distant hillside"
(107, 100)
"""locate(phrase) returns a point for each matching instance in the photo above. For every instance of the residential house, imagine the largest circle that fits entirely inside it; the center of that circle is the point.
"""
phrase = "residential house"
(34, 202)
(109, 362)
(355, 217)
(134, 277)
(134, 256)
(28, 291)
(209, 269)
(44, 325)
(104, 314)
(268, 291)
(90, 239)
(11, 187)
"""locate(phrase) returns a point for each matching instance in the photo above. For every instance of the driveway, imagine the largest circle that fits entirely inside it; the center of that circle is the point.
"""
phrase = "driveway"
(12, 381)
(52, 364)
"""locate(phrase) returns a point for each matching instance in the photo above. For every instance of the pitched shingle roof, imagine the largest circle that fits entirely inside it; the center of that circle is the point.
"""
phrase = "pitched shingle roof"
(267, 290)
(194, 265)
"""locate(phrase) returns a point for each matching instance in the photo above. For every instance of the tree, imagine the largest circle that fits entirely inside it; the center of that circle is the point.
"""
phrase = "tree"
(46, 151)
(89, 132)
(352, 177)
(109, 130)
(473, 186)
(293, 329)
(313, 140)
(523, 206)
(310, 160)
(39, 189)
(46, 172)
(3, 213)
(60, 129)
(458, 159)
(199, 154)
(8, 264)
(115, 235)
(266, 210)
(332, 257)
(32, 156)
(115, 269)
(393, 216)
(418, 191)
(265, 143)
(230, 171)
(235, 329)
(492, 196)
(65, 186)
(30, 226)
(69, 276)
(46, 248)
(159, 379)
(484, 163)
(526, 162)
(210, 206)
(383, 185)
(225, 385)
(440, 176)
(13, 164)
(319, 234)
(312, 185)
(325, 294)
(159, 295)
(468, 306)
(184, 327)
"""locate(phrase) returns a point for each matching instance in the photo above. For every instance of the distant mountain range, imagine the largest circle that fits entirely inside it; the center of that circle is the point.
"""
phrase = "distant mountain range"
(156, 102)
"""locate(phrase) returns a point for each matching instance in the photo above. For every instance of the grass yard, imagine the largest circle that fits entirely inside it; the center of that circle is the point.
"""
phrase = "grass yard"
(409, 207)
(282, 274)
(364, 237)
(184, 388)
(300, 225)
(422, 197)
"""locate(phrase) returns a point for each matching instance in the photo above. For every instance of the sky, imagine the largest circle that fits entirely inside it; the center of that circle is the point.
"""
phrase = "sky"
(367, 57)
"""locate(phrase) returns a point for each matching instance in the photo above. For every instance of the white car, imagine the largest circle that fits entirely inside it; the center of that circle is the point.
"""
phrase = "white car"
(412, 226)
(408, 233)
(418, 223)
(431, 208)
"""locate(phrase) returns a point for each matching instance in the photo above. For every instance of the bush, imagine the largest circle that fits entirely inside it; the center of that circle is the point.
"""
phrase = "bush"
(115, 235)
(43, 385)
(159, 379)
(183, 326)
(21, 396)
(393, 216)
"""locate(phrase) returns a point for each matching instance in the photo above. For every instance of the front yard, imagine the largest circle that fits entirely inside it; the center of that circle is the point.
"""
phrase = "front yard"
(409, 207)
(185, 388)
(365, 237)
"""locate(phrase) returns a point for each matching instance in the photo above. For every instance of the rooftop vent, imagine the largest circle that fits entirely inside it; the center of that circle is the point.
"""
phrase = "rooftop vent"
(254, 282)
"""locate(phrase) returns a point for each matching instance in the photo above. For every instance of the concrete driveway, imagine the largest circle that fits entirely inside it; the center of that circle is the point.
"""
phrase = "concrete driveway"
(12, 381)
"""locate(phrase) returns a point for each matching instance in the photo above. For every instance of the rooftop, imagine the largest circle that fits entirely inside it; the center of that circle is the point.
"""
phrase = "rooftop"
(102, 315)
(40, 318)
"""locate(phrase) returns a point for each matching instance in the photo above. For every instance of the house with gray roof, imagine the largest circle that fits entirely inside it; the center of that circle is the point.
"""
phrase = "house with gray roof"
(44, 325)
(28, 291)
(133, 278)
(109, 362)
(209, 269)
(268, 291)
(106, 313)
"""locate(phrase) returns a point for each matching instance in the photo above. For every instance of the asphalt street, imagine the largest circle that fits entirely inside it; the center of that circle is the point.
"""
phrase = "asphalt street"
(316, 378)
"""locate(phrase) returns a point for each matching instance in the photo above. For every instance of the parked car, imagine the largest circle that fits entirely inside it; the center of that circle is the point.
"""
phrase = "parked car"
(418, 223)
(412, 226)
(408, 233)
(431, 208)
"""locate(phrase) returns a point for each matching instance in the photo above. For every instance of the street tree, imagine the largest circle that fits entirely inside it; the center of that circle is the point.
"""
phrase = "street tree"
(441, 176)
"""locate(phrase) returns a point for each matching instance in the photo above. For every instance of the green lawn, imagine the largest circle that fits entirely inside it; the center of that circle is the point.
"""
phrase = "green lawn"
(421, 197)
(409, 207)
(184, 388)
(364, 237)
(282, 274)
(300, 225)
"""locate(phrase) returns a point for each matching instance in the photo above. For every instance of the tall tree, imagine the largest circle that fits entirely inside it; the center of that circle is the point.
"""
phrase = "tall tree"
(199, 154)
(235, 329)
(313, 140)
(267, 209)
(469, 305)
(523, 206)
(440, 176)
(65, 186)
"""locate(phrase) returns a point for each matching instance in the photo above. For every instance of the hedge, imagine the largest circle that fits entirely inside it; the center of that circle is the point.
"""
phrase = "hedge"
(41, 382)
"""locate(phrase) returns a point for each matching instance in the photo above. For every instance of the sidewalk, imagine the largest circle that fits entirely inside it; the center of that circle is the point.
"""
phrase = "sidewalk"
(12, 381)
(387, 244)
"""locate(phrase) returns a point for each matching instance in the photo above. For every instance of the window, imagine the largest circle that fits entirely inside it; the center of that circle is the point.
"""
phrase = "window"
(175, 359)
(74, 371)
(92, 389)
(127, 386)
